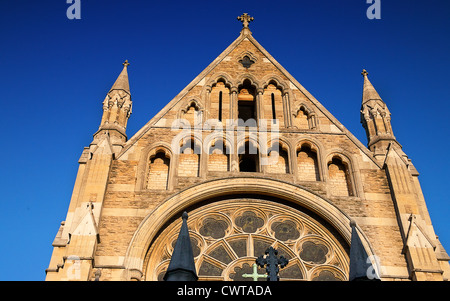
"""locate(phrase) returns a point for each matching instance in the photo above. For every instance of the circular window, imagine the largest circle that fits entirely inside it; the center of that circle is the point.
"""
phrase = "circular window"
(227, 236)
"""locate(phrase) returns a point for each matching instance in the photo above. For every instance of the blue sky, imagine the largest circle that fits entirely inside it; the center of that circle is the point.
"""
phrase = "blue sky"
(56, 73)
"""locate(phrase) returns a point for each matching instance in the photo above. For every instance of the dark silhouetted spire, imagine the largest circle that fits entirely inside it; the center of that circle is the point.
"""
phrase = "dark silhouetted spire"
(182, 266)
(361, 268)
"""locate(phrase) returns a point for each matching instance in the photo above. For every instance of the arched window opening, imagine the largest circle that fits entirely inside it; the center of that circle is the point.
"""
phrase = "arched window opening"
(193, 114)
(272, 103)
(278, 159)
(246, 101)
(219, 101)
(248, 158)
(302, 119)
(189, 159)
(307, 165)
(219, 158)
(339, 177)
(158, 171)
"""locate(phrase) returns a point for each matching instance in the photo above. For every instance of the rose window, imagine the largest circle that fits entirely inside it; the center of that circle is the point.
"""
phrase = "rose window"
(227, 236)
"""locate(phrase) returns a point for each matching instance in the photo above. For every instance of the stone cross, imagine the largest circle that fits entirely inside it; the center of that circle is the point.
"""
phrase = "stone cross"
(364, 72)
(255, 274)
(126, 64)
(245, 19)
(271, 261)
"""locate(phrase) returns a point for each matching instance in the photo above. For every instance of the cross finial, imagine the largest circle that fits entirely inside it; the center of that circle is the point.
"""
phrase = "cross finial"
(245, 19)
(271, 261)
(364, 72)
(255, 274)
(126, 64)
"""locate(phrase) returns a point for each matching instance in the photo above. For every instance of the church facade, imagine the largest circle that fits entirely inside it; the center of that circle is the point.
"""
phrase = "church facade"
(257, 162)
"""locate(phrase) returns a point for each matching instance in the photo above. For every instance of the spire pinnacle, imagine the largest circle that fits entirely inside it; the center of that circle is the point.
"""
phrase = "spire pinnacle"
(376, 119)
(121, 82)
(369, 92)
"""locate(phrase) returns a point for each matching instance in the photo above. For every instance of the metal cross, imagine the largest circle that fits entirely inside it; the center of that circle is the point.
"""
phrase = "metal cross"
(255, 274)
(272, 262)
(245, 19)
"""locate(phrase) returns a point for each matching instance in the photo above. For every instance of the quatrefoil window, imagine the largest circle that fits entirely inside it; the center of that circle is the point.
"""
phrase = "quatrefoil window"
(246, 61)
(285, 230)
(249, 222)
(213, 228)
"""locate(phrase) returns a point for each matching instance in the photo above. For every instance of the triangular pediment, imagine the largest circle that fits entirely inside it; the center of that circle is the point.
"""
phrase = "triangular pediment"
(84, 221)
(263, 69)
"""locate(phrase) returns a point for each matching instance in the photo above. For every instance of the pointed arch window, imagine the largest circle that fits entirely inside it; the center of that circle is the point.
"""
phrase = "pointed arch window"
(189, 159)
(307, 163)
(218, 156)
(273, 104)
(219, 101)
(278, 160)
(158, 171)
(304, 119)
(339, 177)
(248, 157)
(192, 113)
(247, 102)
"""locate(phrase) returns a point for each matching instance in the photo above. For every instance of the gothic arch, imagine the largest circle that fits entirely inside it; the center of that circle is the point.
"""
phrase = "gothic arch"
(249, 154)
(345, 165)
(284, 150)
(218, 99)
(220, 161)
(189, 155)
(209, 140)
(220, 76)
(313, 152)
(300, 110)
(192, 102)
(143, 165)
(196, 195)
(247, 76)
(276, 80)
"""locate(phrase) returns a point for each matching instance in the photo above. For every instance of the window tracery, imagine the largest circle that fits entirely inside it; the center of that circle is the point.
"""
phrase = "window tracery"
(227, 241)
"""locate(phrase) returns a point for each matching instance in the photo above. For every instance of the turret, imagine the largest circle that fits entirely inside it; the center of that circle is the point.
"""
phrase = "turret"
(116, 110)
(376, 120)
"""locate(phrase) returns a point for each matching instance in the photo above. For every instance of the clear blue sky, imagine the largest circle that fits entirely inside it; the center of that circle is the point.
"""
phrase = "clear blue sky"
(56, 73)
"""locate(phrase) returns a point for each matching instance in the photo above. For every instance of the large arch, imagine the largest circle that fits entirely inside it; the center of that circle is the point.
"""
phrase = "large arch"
(172, 208)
